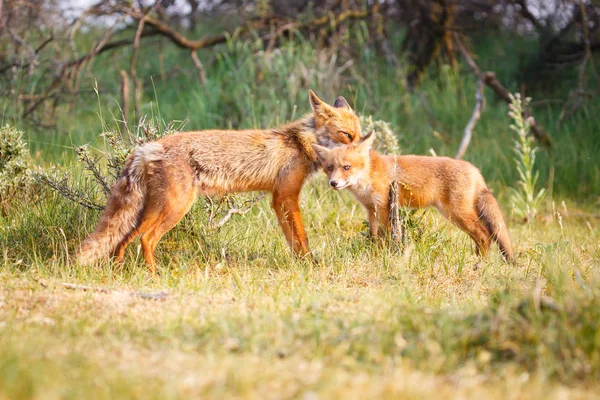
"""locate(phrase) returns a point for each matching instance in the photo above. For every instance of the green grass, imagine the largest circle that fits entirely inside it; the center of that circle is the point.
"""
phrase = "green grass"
(364, 322)
(243, 318)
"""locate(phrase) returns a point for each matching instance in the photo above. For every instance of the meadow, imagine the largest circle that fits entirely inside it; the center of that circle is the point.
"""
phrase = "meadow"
(232, 314)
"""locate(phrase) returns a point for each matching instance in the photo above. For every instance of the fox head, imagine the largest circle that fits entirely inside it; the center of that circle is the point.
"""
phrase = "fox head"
(334, 125)
(347, 165)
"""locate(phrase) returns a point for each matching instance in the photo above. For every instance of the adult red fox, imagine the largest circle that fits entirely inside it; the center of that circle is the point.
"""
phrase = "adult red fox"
(162, 179)
(456, 188)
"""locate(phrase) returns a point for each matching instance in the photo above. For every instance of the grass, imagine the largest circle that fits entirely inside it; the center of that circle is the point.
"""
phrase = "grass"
(366, 322)
(243, 318)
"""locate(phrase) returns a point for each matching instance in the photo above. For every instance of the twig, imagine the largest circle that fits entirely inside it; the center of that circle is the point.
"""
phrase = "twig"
(52, 93)
(142, 295)
(33, 54)
(108, 46)
(63, 188)
(92, 166)
(489, 78)
(44, 43)
(466, 55)
(85, 287)
(132, 67)
(479, 104)
(186, 43)
(239, 211)
(491, 81)
(96, 49)
(479, 99)
(397, 231)
(199, 67)
(125, 98)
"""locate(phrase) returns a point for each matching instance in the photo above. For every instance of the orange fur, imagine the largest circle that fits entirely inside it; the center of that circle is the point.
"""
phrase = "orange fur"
(162, 179)
(456, 188)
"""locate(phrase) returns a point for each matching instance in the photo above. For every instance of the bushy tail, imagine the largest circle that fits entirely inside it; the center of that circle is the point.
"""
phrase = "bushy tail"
(490, 214)
(123, 209)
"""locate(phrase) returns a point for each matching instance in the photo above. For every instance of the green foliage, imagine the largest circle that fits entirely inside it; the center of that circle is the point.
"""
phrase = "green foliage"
(527, 200)
(386, 140)
(248, 87)
(14, 163)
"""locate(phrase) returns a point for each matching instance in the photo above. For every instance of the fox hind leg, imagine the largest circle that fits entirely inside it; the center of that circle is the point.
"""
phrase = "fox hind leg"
(148, 219)
(156, 221)
(119, 252)
(476, 229)
(170, 218)
(151, 237)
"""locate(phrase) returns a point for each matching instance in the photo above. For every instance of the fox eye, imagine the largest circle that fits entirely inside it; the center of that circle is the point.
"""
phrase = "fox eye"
(347, 167)
(349, 136)
(330, 168)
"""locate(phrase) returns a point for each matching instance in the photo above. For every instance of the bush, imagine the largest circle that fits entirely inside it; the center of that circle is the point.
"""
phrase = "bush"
(96, 178)
(14, 165)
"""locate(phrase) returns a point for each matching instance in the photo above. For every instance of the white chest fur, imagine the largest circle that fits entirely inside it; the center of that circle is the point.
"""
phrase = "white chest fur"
(364, 193)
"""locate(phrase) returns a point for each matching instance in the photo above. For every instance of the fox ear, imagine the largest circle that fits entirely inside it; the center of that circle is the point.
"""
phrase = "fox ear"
(341, 102)
(321, 109)
(321, 151)
(315, 101)
(366, 142)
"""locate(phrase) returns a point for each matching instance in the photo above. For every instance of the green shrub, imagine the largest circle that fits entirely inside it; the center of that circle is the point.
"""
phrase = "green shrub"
(14, 164)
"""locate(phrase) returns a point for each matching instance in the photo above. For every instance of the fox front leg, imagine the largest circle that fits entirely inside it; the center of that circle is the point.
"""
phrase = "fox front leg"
(373, 224)
(287, 208)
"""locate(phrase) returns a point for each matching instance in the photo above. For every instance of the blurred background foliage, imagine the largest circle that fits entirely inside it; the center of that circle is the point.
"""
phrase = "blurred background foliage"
(239, 64)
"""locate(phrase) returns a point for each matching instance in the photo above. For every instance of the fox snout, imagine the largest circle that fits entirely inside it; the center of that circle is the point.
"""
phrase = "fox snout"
(338, 183)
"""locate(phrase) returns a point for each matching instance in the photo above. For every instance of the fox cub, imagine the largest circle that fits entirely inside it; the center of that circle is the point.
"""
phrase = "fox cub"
(456, 188)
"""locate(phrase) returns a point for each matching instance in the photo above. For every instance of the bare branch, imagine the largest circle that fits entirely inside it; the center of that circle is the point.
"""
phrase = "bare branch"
(479, 99)
(397, 231)
(142, 295)
(66, 191)
(489, 78)
(177, 38)
(199, 67)
(208, 41)
(466, 55)
(239, 211)
(91, 164)
(479, 104)
(125, 98)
